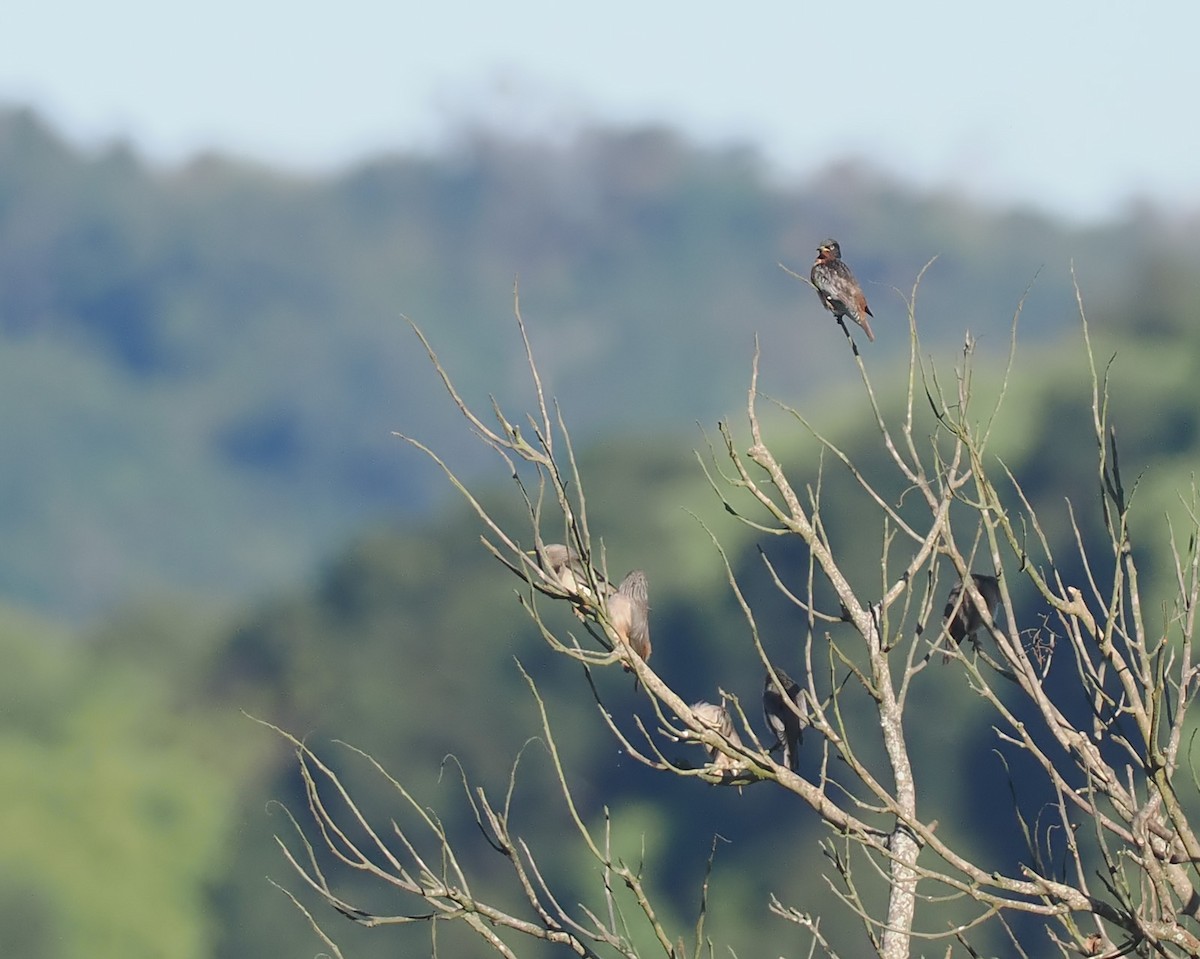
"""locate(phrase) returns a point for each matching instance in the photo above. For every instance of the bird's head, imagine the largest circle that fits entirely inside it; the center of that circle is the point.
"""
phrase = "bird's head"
(829, 250)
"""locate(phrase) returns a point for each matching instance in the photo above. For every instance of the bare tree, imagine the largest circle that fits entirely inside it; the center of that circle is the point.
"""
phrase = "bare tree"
(1111, 863)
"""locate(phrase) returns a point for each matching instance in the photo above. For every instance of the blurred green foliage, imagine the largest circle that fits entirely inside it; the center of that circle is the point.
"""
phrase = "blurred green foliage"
(115, 801)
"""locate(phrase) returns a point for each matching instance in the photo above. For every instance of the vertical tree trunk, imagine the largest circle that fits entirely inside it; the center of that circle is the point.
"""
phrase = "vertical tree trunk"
(902, 894)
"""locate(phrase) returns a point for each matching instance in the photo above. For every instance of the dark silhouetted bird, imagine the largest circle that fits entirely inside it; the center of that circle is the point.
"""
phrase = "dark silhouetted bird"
(629, 613)
(961, 616)
(786, 713)
(838, 289)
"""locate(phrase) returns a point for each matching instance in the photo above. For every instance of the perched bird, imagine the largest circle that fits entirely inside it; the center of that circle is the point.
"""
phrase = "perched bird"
(718, 719)
(961, 616)
(567, 569)
(838, 289)
(629, 613)
(785, 708)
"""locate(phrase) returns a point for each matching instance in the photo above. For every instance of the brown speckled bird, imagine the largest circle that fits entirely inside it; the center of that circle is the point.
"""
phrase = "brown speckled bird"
(629, 613)
(838, 289)
(962, 616)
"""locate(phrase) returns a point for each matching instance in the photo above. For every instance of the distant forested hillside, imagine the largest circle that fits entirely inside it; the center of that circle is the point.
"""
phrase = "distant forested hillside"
(200, 367)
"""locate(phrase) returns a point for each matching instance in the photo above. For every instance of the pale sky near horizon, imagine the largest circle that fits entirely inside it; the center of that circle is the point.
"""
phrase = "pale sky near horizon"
(1070, 106)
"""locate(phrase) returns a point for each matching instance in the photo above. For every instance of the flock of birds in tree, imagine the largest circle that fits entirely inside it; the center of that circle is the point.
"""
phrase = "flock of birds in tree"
(785, 702)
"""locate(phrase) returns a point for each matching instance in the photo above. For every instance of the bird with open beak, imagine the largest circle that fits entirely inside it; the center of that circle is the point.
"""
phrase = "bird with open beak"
(837, 288)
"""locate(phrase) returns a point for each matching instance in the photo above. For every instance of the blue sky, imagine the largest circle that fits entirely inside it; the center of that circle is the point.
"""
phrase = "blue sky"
(1072, 106)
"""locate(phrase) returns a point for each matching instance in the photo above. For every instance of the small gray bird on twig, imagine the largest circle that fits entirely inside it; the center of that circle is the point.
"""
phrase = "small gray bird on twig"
(785, 709)
(961, 616)
(717, 718)
(629, 613)
(838, 289)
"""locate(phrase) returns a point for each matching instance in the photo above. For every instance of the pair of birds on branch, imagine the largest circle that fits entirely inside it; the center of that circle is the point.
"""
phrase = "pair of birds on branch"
(785, 710)
(785, 703)
(627, 605)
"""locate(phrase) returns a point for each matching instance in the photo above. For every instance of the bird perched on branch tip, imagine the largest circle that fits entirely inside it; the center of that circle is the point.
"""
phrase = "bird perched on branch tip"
(837, 288)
